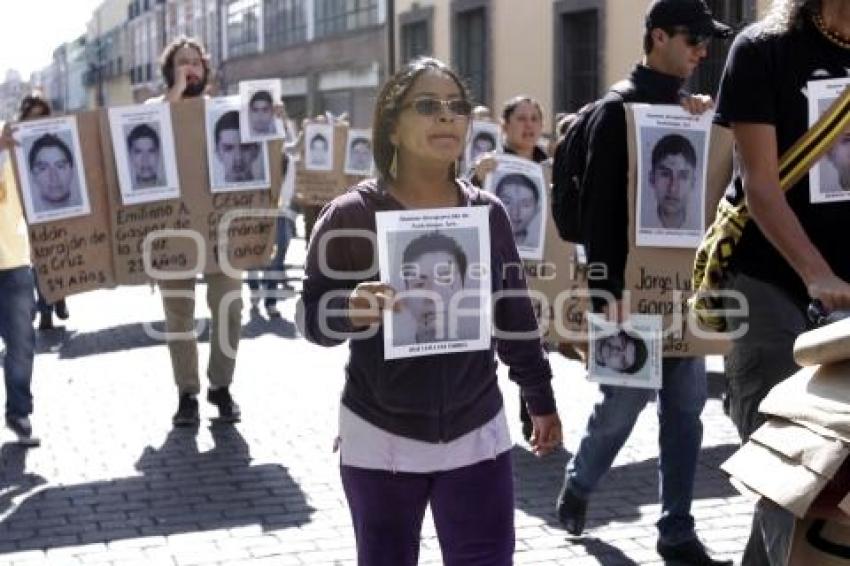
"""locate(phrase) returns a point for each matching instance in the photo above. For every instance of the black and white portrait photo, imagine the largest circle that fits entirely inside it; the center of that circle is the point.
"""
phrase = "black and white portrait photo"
(521, 186)
(143, 145)
(626, 355)
(319, 147)
(671, 176)
(358, 153)
(233, 165)
(51, 169)
(484, 137)
(440, 281)
(258, 119)
(829, 180)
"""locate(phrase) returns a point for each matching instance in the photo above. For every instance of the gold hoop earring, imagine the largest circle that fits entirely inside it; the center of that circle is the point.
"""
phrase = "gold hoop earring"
(394, 163)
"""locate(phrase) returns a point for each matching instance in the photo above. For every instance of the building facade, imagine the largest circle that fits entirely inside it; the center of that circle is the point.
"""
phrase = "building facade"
(12, 89)
(564, 53)
(107, 78)
(330, 54)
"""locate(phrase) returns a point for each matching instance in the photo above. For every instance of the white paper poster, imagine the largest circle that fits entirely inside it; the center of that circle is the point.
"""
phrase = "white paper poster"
(50, 163)
(257, 119)
(521, 186)
(143, 145)
(438, 261)
(233, 165)
(672, 153)
(627, 355)
(829, 179)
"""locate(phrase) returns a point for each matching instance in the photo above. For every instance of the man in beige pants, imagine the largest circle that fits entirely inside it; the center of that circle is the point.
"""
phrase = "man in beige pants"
(185, 69)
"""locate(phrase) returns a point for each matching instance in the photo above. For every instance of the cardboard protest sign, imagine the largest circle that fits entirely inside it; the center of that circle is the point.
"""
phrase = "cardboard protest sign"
(314, 187)
(190, 227)
(72, 255)
(558, 284)
(659, 279)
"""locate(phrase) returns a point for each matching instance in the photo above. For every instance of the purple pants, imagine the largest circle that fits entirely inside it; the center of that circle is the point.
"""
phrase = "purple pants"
(473, 509)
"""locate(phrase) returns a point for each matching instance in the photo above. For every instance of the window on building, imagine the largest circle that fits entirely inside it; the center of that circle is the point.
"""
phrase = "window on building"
(296, 107)
(735, 13)
(471, 49)
(415, 40)
(243, 17)
(285, 22)
(339, 16)
(578, 75)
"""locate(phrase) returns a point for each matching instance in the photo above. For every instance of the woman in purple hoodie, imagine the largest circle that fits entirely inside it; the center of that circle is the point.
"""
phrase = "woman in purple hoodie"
(428, 430)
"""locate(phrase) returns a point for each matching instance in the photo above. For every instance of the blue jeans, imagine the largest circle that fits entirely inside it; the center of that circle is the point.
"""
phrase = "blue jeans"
(285, 232)
(680, 403)
(17, 303)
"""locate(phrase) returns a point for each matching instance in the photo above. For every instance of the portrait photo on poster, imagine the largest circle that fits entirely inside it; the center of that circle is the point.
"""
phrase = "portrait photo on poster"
(438, 261)
(627, 354)
(829, 179)
(672, 152)
(319, 147)
(143, 145)
(50, 163)
(233, 165)
(521, 186)
(257, 118)
(358, 153)
(484, 137)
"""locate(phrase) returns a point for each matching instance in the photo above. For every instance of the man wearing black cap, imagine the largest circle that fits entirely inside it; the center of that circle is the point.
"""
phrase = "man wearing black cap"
(675, 41)
(794, 250)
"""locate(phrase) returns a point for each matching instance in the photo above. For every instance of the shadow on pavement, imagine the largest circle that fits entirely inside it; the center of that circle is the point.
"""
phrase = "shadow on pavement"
(181, 490)
(14, 482)
(620, 493)
(604, 553)
(70, 345)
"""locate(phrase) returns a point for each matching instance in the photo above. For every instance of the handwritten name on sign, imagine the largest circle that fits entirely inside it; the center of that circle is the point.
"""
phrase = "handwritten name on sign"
(61, 256)
(246, 221)
(133, 224)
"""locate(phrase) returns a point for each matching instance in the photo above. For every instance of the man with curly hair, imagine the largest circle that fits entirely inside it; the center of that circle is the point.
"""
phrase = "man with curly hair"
(792, 252)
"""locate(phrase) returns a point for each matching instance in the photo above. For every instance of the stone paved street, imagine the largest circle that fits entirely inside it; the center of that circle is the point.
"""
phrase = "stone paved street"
(114, 484)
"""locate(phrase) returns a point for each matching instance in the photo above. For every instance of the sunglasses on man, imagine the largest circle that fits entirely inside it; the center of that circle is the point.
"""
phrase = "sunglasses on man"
(692, 39)
(433, 106)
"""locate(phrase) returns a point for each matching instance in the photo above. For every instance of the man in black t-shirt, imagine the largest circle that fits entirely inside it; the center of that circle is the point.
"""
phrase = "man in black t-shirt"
(793, 251)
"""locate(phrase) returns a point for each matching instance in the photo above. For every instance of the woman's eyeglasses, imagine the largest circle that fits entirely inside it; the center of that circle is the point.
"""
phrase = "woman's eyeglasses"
(433, 106)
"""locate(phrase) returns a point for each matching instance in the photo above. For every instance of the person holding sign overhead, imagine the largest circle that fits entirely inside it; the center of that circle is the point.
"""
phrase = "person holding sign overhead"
(429, 430)
(676, 37)
(185, 68)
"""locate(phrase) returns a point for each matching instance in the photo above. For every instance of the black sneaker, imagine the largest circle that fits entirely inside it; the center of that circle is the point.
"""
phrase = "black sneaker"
(22, 427)
(187, 411)
(572, 511)
(45, 321)
(690, 553)
(61, 309)
(228, 410)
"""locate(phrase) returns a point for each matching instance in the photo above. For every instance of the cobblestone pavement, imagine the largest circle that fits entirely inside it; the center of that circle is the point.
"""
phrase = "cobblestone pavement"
(114, 484)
